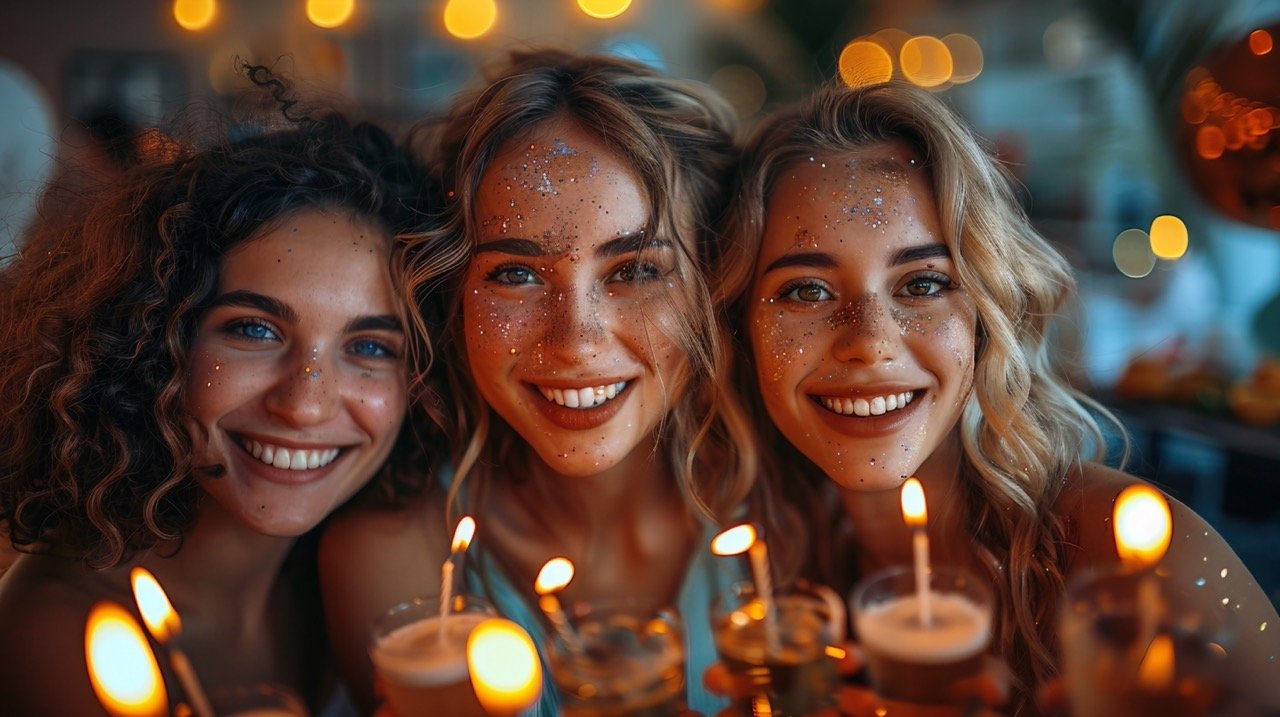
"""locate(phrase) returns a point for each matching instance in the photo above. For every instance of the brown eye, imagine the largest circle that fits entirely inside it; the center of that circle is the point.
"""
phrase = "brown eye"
(807, 291)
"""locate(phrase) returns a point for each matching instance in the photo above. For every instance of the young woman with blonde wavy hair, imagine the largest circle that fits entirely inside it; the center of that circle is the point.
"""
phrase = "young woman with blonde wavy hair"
(895, 300)
(584, 358)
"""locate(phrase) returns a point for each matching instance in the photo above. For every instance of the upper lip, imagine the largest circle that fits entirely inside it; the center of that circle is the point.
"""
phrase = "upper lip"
(585, 382)
(864, 391)
(289, 443)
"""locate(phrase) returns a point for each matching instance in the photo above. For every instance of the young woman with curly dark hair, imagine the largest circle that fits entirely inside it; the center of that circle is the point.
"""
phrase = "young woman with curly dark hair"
(198, 368)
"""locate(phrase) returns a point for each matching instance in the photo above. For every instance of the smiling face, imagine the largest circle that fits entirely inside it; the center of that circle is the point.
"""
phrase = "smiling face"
(297, 383)
(568, 306)
(864, 341)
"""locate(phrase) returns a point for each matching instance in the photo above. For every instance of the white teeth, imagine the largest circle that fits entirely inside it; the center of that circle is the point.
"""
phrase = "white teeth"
(876, 406)
(295, 459)
(586, 397)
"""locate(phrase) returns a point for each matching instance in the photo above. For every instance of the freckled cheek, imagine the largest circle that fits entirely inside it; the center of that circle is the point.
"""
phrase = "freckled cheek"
(781, 344)
(208, 378)
(383, 405)
(496, 328)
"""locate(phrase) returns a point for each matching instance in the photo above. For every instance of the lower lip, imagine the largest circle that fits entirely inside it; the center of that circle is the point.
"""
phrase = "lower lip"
(285, 476)
(580, 419)
(870, 426)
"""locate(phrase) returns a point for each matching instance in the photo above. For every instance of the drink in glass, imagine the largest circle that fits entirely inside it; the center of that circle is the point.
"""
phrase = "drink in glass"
(422, 673)
(907, 660)
(790, 671)
(619, 659)
(1126, 652)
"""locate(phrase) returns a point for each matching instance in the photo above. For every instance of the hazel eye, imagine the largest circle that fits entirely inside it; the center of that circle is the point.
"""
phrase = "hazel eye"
(636, 271)
(927, 285)
(807, 291)
(512, 275)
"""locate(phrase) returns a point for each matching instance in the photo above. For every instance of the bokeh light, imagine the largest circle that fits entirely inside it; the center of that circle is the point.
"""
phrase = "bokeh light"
(740, 5)
(194, 14)
(926, 61)
(1168, 237)
(330, 13)
(1132, 253)
(890, 38)
(469, 19)
(604, 9)
(863, 63)
(1210, 142)
(966, 57)
(1065, 42)
(742, 86)
(1260, 42)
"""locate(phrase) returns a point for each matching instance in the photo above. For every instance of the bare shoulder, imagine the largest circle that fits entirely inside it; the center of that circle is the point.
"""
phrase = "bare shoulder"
(1204, 575)
(42, 628)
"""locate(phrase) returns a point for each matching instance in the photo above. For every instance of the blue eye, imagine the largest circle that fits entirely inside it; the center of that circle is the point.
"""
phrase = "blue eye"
(371, 349)
(514, 275)
(253, 329)
(805, 291)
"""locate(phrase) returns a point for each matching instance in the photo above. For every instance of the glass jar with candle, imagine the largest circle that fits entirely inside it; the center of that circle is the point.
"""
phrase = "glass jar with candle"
(783, 655)
(918, 652)
(424, 669)
(618, 658)
(1128, 651)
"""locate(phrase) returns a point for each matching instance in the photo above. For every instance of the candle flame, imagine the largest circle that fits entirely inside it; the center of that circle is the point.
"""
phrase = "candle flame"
(914, 511)
(463, 534)
(122, 668)
(157, 612)
(554, 575)
(734, 541)
(1156, 670)
(1143, 525)
(504, 667)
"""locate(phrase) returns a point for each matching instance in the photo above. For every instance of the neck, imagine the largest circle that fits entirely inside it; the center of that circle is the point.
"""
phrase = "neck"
(883, 537)
(222, 572)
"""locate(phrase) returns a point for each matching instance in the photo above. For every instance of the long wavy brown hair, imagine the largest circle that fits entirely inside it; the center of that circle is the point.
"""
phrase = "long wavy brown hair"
(99, 310)
(1024, 429)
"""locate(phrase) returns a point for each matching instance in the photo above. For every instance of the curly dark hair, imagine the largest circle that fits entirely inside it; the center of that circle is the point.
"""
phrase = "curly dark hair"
(99, 310)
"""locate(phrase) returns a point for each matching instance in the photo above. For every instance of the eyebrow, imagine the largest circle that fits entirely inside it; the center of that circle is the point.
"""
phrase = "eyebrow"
(625, 244)
(284, 312)
(823, 260)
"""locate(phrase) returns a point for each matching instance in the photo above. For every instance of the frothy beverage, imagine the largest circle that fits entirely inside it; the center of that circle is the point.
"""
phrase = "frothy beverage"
(622, 664)
(794, 676)
(424, 675)
(911, 662)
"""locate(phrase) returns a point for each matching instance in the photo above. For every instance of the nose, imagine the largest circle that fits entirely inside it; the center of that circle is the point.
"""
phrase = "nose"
(578, 321)
(865, 332)
(305, 391)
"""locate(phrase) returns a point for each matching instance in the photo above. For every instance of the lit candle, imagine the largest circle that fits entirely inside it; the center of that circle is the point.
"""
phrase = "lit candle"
(916, 515)
(552, 578)
(505, 672)
(461, 539)
(743, 538)
(122, 668)
(1143, 528)
(165, 626)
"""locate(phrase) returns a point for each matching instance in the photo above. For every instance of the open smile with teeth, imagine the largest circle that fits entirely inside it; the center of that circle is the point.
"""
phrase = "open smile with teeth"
(877, 406)
(587, 397)
(294, 459)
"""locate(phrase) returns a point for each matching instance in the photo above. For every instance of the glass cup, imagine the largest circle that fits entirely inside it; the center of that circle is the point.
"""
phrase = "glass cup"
(618, 659)
(422, 672)
(908, 661)
(264, 700)
(1127, 652)
(792, 673)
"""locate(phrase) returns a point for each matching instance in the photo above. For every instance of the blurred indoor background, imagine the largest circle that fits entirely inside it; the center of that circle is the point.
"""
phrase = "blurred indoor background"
(1146, 134)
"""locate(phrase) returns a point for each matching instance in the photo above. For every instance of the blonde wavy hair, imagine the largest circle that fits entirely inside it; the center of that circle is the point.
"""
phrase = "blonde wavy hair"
(679, 139)
(1023, 430)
